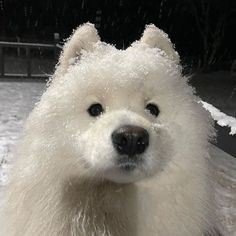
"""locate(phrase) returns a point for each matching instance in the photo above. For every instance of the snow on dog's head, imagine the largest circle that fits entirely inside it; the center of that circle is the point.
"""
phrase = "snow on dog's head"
(118, 115)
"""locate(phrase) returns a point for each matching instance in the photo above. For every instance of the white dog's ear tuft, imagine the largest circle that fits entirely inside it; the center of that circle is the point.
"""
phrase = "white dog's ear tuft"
(83, 38)
(156, 38)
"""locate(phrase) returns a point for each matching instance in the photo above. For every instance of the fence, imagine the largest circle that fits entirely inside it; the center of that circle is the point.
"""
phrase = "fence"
(27, 46)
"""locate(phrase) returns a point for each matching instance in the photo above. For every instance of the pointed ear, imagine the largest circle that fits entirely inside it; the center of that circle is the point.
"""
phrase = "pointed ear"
(83, 38)
(156, 38)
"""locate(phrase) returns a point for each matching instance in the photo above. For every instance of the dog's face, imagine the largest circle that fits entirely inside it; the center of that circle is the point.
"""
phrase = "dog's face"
(122, 128)
(122, 113)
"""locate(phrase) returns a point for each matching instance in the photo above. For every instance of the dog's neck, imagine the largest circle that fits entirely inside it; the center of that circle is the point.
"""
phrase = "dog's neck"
(102, 206)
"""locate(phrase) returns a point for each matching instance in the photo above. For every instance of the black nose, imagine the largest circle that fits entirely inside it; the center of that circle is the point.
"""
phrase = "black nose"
(130, 140)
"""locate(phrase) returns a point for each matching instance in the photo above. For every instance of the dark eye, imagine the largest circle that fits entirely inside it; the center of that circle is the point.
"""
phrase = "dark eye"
(95, 109)
(153, 109)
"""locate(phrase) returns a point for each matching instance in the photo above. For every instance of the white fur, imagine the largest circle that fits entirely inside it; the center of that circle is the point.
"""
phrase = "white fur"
(156, 38)
(66, 182)
(83, 38)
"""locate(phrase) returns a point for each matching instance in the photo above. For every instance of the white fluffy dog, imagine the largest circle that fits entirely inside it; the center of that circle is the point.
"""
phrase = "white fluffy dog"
(117, 146)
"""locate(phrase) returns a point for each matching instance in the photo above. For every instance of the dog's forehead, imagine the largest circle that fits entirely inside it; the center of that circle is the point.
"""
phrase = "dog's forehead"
(109, 70)
(135, 61)
(113, 85)
(129, 67)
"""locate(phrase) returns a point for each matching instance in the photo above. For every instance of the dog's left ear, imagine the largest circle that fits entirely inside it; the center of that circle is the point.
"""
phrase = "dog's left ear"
(83, 38)
(156, 38)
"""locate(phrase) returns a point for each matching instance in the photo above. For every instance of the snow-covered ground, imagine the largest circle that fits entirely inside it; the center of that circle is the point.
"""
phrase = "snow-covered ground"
(16, 101)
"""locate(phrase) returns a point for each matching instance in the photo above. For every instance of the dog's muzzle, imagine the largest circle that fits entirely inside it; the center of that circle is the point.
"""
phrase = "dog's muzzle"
(130, 140)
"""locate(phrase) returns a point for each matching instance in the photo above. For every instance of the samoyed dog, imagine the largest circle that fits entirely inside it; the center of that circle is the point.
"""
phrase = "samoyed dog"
(117, 146)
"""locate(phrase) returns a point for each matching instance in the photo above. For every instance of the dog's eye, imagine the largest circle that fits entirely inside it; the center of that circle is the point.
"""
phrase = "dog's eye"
(95, 109)
(153, 109)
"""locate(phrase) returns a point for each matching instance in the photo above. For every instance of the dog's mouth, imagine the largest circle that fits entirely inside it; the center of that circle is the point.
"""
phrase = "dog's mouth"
(127, 166)
(129, 163)
(125, 169)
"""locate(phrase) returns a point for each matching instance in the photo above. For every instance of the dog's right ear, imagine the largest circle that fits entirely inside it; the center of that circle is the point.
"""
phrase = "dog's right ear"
(83, 38)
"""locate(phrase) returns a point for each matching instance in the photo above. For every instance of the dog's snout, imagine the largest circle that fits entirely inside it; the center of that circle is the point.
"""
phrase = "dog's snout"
(130, 140)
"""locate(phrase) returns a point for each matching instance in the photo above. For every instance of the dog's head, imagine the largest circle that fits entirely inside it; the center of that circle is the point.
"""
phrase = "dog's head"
(120, 115)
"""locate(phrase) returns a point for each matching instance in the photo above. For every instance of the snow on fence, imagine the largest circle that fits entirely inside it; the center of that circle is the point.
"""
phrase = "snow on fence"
(221, 118)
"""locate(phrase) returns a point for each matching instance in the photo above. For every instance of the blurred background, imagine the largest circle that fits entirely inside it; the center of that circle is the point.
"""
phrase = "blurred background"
(32, 33)
(202, 30)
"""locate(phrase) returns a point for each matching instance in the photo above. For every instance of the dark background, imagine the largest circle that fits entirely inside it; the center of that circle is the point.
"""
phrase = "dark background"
(202, 30)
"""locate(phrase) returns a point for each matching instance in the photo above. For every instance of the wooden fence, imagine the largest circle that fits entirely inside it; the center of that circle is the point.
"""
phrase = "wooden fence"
(28, 48)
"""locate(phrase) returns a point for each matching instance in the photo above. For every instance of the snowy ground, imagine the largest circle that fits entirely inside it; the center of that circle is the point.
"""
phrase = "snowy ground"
(18, 98)
(16, 101)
